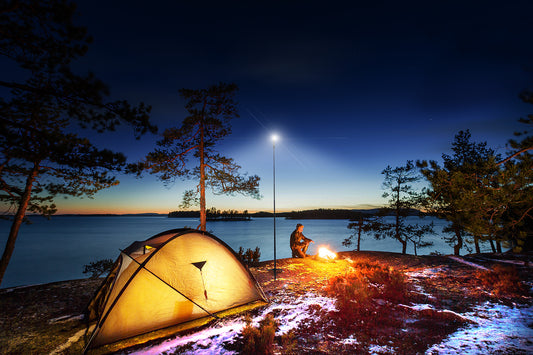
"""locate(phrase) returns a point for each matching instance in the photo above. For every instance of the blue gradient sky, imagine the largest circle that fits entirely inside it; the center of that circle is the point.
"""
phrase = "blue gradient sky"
(350, 89)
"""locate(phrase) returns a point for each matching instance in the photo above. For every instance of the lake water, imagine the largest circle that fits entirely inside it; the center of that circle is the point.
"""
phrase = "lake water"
(57, 249)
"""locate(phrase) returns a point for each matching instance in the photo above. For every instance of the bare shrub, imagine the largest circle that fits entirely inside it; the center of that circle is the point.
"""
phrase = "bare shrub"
(365, 296)
(249, 257)
(503, 281)
(259, 340)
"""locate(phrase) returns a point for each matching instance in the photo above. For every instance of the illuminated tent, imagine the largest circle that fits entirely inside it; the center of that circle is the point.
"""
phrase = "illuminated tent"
(176, 280)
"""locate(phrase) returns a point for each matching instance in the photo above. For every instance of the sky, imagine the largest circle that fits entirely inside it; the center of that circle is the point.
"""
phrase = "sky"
(349, 87)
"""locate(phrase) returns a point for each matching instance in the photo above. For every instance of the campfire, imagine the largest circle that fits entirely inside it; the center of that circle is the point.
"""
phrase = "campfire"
(325, 253)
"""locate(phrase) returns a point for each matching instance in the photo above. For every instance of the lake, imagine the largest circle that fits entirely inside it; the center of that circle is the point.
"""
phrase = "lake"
(57, 249)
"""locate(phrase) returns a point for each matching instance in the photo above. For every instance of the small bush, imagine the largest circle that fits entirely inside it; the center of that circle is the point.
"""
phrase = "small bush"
(259, 340)
(361, 294)
(249, 257)
(503, 281)
(289, 342)
(374, 280)
(98, 268)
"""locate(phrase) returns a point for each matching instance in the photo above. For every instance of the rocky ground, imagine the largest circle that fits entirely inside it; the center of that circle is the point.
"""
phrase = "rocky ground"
(446, 305)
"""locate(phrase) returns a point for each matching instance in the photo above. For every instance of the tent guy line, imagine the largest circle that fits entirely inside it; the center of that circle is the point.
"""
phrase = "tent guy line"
(143, 266)
(154, 291)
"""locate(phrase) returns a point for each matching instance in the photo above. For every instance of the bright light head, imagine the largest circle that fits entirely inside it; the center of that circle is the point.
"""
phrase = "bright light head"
(274, 138)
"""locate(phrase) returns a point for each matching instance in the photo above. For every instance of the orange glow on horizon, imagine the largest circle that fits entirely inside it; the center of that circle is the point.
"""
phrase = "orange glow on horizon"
(108, 210)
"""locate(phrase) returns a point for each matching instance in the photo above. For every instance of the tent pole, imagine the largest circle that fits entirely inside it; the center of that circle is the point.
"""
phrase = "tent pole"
(274, 199)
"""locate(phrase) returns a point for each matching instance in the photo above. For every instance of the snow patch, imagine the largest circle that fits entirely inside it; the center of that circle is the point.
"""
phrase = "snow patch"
(211, 340)
(380, 349)
(11, 289)
(70, 341)
(422, 307)
(66, 318)
(207, 341)
(429, 272)
(420, 290)
(291, 315)
(350, 341)
(418, 307)
(496, 328)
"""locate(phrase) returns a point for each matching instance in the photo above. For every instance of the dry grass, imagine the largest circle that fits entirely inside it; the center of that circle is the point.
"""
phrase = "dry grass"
(366, 297)
(258, 340)
(503, 281)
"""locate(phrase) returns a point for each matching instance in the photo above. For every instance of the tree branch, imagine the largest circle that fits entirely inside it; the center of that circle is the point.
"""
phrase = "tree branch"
(514, 155)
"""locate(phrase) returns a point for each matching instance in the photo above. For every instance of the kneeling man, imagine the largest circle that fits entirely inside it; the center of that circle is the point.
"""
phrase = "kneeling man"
(299, 243)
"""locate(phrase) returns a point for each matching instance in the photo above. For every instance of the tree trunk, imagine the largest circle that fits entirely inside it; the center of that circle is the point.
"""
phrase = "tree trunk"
(203, 219)
(17, 222)
(492, 245)
(498, 246)
(398, 236)
(476, 243)
(404, 246)
(414, 246)
(459, 245)
(359, 234)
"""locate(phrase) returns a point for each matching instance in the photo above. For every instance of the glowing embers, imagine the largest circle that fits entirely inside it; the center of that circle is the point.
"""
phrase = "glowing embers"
(325, 253)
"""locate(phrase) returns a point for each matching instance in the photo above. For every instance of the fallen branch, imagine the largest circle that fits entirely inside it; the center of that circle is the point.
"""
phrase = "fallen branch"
(460, 260)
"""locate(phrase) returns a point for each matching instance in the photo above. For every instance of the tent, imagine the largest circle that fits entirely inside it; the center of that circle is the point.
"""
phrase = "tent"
(180, 277)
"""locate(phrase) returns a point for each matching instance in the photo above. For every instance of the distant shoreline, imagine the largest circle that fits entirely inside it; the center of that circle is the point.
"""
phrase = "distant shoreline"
(344, 214)
(108, 215)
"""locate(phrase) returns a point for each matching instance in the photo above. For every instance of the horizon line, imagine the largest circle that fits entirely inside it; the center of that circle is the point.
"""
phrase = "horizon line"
(363, 207)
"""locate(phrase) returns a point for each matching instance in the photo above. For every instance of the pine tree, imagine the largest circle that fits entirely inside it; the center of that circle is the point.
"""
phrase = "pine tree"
(358, 227)
(41, 153)
(403, 199)
(210, 112)
(512, 190)
(458, 191)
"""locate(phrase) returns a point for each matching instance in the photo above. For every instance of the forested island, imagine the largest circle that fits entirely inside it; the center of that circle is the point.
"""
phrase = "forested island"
(214, 214)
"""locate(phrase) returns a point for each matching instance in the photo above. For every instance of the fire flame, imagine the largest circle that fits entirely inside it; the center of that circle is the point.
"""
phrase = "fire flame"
(325, 253)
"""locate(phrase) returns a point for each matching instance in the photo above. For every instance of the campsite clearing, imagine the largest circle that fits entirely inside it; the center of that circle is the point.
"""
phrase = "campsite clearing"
(447, 307)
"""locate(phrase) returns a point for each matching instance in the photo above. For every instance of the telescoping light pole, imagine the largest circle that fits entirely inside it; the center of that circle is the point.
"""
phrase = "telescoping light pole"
(274, 138)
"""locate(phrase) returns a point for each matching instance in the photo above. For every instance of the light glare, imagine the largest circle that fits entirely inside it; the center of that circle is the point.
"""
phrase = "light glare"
(325, 253)
(274, 138)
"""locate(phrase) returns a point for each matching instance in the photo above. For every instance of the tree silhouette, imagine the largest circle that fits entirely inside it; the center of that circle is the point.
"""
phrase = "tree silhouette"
(512, 188)
(481, 194)
(210, 112)
(522, 147)
(458, 190)
(358, 226)
(41, 153)
(403, 199)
